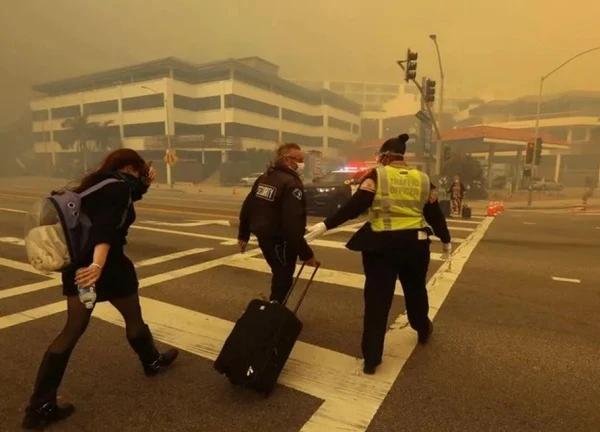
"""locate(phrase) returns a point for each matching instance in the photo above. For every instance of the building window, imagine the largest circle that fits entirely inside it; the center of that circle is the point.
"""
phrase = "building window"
(144, 102)
(41, 136)
(337, 143)
(248, 131)
(336, 101)
(66, 112)
(340, 124)
(298, 117)
(254, 79)
(302, 140)
(390, 88)
(210, 130)
(251, 105)
(144, 129)
(197, 104)
(337, 87)
(101, 107)
(40, 115)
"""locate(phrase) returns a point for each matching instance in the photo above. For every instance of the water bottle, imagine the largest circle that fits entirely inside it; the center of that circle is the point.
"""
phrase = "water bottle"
(87, 295)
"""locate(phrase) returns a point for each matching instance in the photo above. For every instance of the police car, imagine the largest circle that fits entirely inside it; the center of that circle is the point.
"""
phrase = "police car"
(328, 193)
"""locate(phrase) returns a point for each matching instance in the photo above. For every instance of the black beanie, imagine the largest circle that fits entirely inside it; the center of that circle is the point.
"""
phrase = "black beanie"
(396, 146)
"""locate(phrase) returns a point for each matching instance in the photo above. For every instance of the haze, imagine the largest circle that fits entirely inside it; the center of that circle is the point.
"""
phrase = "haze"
(490, 49)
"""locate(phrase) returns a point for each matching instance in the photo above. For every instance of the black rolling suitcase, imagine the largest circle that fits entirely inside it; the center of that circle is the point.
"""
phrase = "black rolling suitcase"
(261, 341)
(466, 212)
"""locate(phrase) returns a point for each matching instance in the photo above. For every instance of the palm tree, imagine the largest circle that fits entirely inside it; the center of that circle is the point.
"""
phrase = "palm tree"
(81, 132)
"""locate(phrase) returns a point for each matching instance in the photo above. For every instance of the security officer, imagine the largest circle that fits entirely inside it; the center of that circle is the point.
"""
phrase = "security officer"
(275, 212)
(394, 243)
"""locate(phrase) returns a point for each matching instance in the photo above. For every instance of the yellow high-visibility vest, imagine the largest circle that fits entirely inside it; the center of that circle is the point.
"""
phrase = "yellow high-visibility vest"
(401, 194)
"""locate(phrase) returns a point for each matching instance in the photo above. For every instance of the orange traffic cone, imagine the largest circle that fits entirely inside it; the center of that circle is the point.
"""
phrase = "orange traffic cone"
(496, 207)
(491, 211)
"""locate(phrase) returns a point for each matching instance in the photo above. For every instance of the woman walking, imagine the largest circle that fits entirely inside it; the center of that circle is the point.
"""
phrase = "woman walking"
(111, 212)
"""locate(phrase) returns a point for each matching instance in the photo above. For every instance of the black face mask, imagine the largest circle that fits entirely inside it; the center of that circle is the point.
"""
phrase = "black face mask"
(136, 185)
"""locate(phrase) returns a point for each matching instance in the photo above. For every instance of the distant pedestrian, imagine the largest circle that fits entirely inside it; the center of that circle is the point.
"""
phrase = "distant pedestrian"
(588, 191)
(275, 212)
(457, 194)
(107, 267)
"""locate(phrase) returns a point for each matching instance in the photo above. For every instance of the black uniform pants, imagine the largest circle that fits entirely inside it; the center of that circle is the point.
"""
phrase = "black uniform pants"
(282, 261)
(408, 264)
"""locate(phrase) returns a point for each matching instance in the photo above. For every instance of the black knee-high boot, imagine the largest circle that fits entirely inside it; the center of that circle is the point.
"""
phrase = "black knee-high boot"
(152, 360)
(43, 409)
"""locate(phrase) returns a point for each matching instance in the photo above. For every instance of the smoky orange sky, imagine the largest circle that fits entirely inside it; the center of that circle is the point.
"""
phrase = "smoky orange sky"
(490, 48)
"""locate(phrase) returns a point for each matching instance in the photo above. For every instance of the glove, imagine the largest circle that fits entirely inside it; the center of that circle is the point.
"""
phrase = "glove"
(447, 251)
(315, 231)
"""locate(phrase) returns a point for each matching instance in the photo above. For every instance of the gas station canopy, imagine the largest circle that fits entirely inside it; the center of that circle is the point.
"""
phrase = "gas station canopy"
(479, 139)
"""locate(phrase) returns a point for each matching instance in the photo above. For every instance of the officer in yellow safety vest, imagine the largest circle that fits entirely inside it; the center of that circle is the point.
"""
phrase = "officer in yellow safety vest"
(394, 243)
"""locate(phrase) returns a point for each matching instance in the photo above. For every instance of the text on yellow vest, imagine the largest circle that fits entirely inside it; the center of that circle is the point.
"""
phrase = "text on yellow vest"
(399, 199)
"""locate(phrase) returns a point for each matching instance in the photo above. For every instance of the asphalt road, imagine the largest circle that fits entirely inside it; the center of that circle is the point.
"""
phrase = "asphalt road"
(514, 350)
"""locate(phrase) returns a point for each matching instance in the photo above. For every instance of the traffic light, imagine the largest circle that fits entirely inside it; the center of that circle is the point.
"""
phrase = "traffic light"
(429, 91)
(538, 151)
(410, 72)
(529, 153)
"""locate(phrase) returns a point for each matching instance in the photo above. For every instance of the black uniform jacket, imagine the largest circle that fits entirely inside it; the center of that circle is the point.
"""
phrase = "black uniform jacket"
(275, 211)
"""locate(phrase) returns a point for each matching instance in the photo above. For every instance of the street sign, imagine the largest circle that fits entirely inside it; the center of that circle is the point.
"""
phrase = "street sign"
(423, 116)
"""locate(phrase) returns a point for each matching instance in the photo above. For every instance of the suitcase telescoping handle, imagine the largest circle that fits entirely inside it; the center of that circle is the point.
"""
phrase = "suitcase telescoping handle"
(305, 290)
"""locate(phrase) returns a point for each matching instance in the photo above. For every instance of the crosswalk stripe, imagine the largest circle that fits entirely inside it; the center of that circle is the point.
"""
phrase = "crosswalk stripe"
(25, 289)
(334, 277)
(463, 221)
(170, 257)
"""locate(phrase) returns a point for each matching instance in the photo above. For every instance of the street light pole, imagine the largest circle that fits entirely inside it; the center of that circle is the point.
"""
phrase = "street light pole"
(539, 108)
(439, 150)
(167, 132)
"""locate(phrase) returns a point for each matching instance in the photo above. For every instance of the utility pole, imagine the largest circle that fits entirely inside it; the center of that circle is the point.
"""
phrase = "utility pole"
(439, 153)
(539, 109)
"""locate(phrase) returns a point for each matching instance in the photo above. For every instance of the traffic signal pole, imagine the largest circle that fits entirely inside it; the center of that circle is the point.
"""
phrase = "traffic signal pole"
(539, 105)
(535, 141)
(409, 67)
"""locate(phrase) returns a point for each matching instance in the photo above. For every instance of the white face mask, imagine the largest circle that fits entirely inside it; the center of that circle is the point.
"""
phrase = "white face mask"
(300, 168)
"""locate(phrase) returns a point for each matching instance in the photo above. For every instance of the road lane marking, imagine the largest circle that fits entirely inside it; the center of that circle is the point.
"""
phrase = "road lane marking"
(25, 289)
(170, 257)
(9, 210)
(528, 223)
(12, 240)
(452, 228)
(142, 209)
(561, 279)
(229, 241)
(55, 278)
(196, 223)
(463, 221)
(28, 315)
(335, 277)
(25, 267)
(32, 314)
